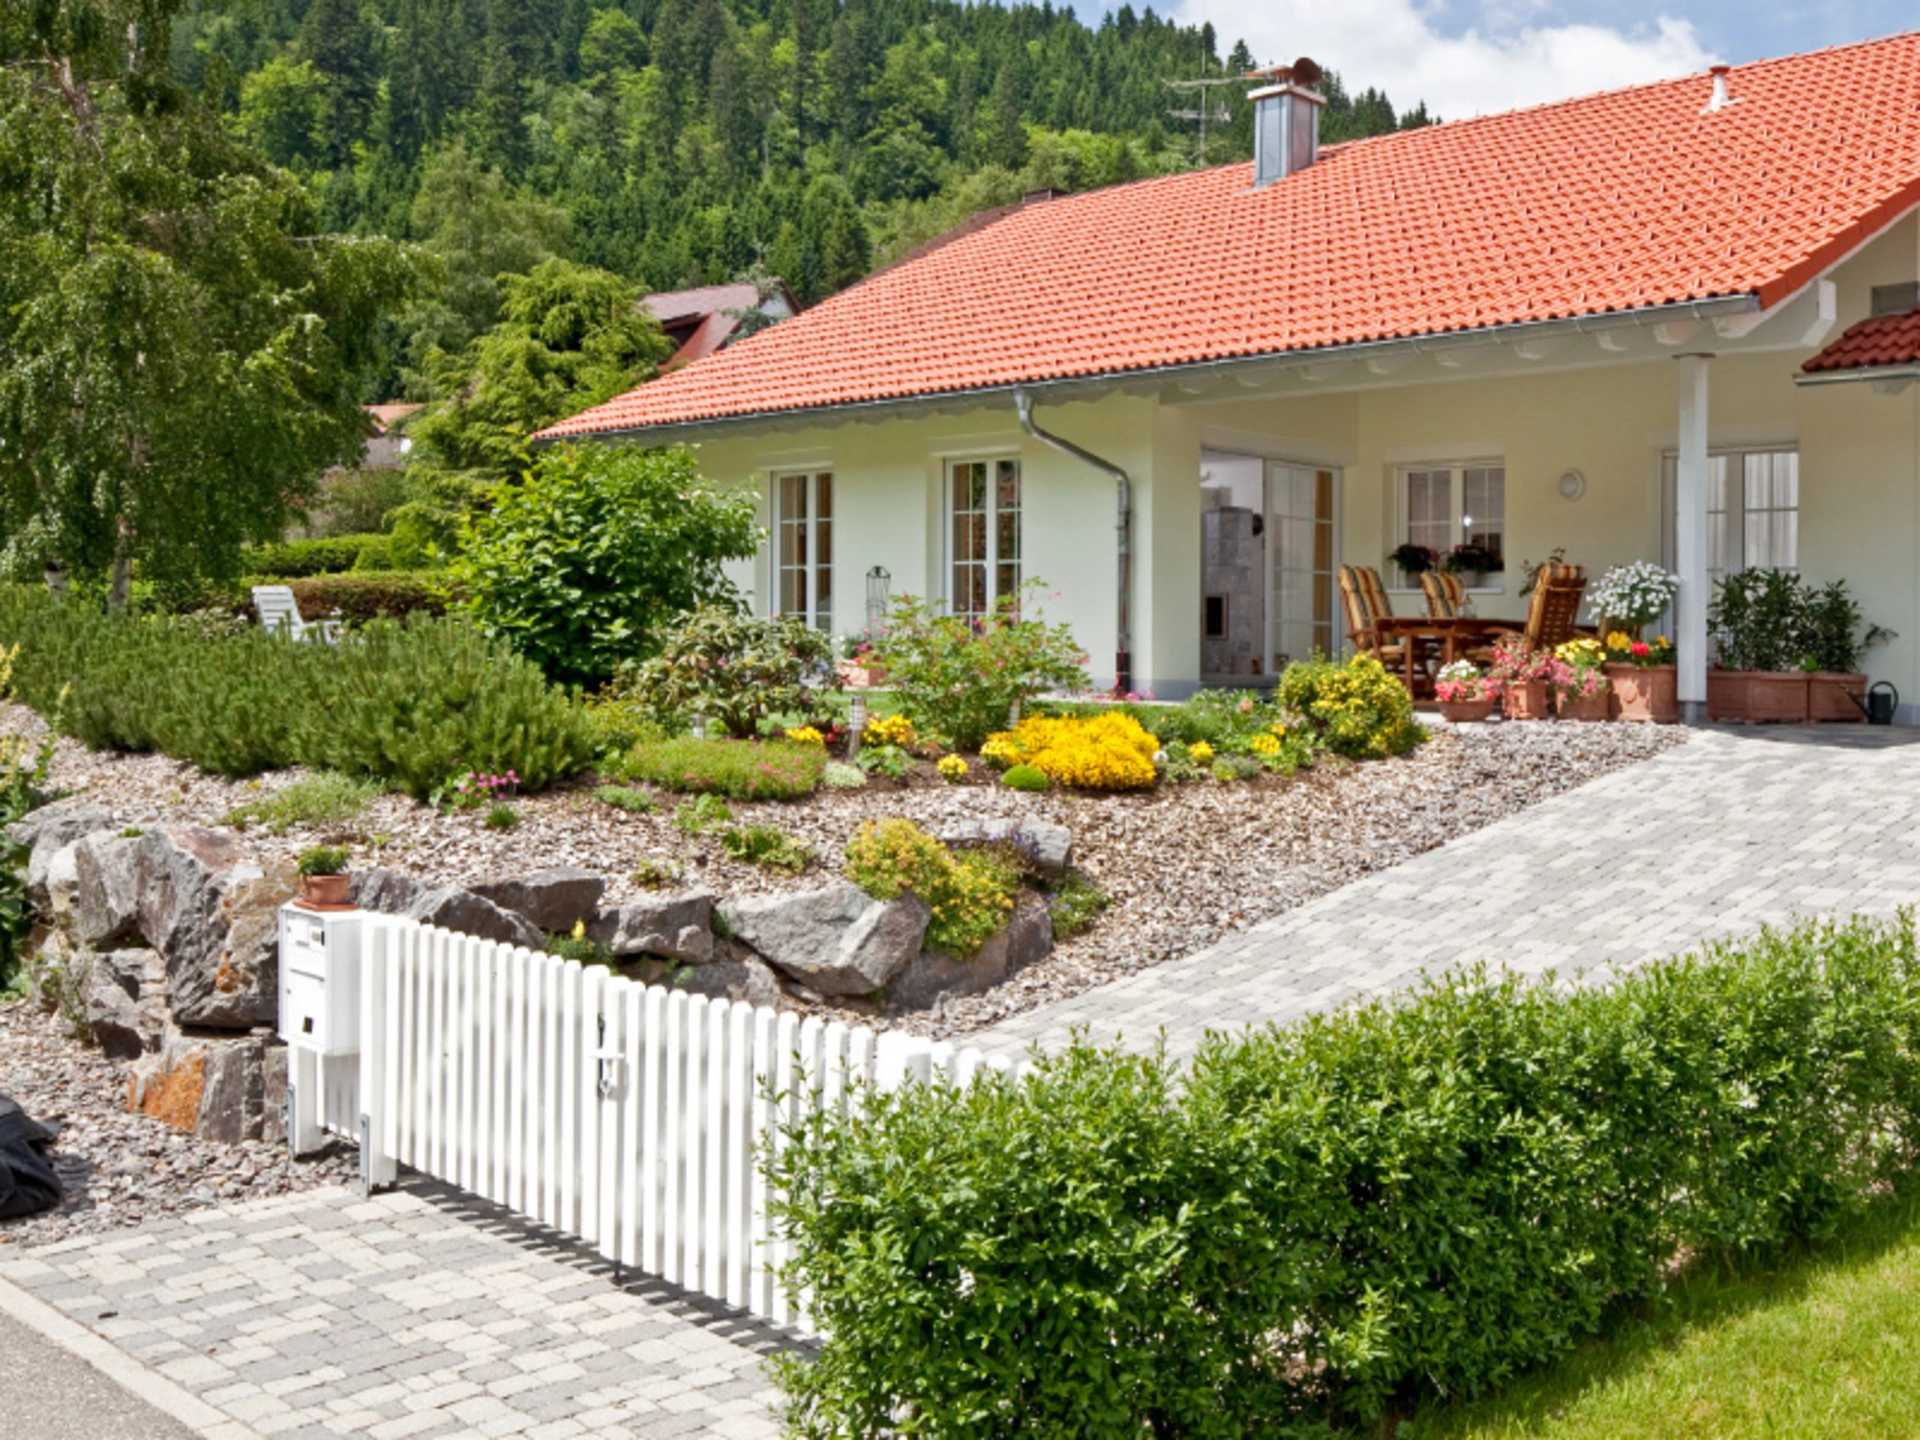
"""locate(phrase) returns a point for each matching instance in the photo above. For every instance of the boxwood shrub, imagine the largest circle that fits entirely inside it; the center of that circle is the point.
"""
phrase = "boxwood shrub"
(296, 559)
(1319, 1226)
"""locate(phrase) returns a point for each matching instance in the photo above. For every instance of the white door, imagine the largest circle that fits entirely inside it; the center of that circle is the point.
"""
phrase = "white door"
(1301, 563)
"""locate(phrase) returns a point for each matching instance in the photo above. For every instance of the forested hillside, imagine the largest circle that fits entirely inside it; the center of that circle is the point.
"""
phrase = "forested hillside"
(678, 142)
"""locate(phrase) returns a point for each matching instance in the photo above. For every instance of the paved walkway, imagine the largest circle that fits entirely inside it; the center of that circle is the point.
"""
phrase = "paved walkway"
(1713, 838)
(410, 1314)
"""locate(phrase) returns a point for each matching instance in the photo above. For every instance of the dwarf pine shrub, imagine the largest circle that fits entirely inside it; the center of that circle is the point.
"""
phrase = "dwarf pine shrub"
(1316, 1224)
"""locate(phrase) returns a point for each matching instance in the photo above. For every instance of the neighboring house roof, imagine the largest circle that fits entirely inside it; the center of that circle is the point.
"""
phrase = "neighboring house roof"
(385, 417)
(1616, 202)
(1874, 343)
(697, 320)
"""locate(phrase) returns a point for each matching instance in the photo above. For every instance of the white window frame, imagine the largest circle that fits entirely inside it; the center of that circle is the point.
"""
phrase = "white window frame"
(992, 559)
(1733, 528)
(821, 618)
(1457, 508)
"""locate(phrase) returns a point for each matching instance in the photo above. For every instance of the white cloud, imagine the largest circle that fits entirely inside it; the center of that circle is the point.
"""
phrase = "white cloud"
(1514, 58)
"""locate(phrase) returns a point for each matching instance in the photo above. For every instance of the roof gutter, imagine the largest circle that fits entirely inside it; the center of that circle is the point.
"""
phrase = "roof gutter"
(1070, 387)
(1123, 490)
(1860, 375)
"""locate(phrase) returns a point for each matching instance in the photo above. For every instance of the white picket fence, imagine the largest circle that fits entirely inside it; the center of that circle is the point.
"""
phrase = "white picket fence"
(627, 1115)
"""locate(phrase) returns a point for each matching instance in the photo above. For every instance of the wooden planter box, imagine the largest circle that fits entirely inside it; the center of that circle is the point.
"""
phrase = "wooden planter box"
(1777, 699)
(1830, 697)
(1594, 707)
(1647, 695)
(1727, 694)
(1465, 711)
(1529, 701)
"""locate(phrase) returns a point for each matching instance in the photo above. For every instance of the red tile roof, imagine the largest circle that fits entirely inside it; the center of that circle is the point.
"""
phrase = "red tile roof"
(1881, 340)
(1633, 198)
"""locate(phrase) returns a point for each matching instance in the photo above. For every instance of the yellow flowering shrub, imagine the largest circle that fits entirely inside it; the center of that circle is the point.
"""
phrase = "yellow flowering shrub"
(970, 894)
(952, 769)
(1001, 750)
(806, 735)
(894, 729)
(1265, 745)
(1200, 752)
(1112, 751)
(1356, 708)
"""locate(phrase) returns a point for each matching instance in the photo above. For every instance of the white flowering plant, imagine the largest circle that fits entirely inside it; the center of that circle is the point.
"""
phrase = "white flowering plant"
(1634, 595)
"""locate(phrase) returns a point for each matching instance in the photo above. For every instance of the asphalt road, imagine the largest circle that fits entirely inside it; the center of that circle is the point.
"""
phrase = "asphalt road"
(49, 1394)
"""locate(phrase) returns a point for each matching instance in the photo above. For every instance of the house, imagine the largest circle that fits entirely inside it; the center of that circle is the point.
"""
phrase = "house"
(1669, 322)
(704, 320)
(387, 444)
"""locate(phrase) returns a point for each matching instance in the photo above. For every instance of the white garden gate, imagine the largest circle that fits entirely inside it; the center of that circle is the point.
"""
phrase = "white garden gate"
(628, 1115)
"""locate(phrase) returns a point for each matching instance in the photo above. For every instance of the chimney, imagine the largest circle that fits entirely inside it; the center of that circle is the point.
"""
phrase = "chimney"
(1720, 99)
(1286, 120)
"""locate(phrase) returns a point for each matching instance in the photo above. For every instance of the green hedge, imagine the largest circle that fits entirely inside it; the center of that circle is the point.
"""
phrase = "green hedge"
(413, 705)
(297, 559)
(356, 599)
(1318, 1226)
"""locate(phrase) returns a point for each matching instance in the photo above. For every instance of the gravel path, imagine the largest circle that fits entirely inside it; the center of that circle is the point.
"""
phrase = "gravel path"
(119, 1168)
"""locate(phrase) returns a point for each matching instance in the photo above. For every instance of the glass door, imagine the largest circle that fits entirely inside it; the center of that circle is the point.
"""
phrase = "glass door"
(1300, 561)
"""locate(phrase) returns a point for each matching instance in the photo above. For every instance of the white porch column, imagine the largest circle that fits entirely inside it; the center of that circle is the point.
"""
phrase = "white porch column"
(1690, 537)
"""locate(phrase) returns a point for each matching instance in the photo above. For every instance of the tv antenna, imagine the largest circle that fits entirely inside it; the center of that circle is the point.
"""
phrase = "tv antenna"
(1206, 110)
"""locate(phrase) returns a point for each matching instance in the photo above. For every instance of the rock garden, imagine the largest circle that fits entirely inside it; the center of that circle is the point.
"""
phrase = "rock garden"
(725, 818)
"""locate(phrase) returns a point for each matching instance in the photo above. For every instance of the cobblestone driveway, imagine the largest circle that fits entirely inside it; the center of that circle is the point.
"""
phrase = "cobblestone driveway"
(410, 1314)
(1731, 830)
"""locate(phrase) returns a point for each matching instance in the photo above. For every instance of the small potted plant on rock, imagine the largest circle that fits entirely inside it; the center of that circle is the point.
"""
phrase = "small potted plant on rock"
(1583, 693)
(1464, 693)
(1642, 679)
(1527, 678)
(323, 877)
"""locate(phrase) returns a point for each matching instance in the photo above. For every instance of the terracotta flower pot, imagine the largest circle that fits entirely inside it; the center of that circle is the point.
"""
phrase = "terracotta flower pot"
(1828, 696)
(1462, 712)
(1777, 699)
(323, 892)
(1591, 707)
(1727, 694)
(1529, 701)
(1645, 694)
(862, 677)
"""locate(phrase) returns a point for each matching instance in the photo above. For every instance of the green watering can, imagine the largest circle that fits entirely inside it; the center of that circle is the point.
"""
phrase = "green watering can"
(1882, 699)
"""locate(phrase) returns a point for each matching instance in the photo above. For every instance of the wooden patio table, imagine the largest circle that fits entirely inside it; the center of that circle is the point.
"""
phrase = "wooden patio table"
(1451, 635)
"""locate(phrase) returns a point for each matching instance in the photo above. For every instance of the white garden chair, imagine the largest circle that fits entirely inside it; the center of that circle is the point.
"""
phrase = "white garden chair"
(279, 611)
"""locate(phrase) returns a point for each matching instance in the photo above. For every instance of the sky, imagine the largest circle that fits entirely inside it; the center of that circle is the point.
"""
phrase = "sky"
(1474, 57)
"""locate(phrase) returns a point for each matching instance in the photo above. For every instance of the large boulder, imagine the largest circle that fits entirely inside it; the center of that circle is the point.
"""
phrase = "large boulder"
(934, 974)
(552, 900)
(734, 974)
(58, 824)
(213, 913)
(466, 913)
(1047, 848)
(389, 892)
(53, 880)
(673, 927)
(217, 1087)
(106, 904)
(838, 941)
(126, 1002)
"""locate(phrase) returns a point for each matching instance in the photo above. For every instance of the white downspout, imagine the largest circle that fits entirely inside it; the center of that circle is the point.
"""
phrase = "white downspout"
(1123, 632)
(1690, 537)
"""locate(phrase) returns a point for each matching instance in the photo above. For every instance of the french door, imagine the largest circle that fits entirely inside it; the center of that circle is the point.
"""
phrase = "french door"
(803, 547)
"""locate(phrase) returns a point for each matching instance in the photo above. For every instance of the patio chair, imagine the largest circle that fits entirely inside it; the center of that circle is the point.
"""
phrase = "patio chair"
(1553, 617)
(1364, 598)
(279, 611)
(1446, 596)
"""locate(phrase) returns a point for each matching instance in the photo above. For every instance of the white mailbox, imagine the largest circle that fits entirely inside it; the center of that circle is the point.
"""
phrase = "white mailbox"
(320, 980)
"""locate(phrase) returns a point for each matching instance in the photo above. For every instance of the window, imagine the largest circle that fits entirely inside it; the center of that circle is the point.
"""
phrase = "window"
(1444, 506)
(1753, 509)
(803, 547)
(983, 540)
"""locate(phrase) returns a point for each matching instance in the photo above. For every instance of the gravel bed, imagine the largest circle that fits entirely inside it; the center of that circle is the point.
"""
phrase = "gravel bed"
(120, 1168)
(1184, 864)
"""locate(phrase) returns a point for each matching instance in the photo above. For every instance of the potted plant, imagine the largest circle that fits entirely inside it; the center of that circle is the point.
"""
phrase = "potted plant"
(1414, 560)
(1831, 632)
(1643, 683)
(1756, 621)
(1631, 597)
(1473, 562)
(860, 666)
(323, 878)
(1464, 693)
(1526, 678)
(1582, 693)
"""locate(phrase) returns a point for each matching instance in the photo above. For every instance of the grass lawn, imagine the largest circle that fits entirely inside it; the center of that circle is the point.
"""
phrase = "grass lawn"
(1824, 1345)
